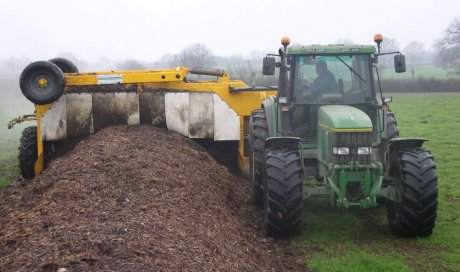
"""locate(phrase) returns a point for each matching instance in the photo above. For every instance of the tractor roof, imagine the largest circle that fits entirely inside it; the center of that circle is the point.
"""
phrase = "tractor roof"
(332, 49)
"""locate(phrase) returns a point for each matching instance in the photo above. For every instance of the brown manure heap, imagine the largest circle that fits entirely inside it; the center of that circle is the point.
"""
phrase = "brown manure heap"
(136, 199)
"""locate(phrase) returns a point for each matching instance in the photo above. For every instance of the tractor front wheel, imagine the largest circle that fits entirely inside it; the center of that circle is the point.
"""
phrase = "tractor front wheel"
(283, 189)
(414, 213)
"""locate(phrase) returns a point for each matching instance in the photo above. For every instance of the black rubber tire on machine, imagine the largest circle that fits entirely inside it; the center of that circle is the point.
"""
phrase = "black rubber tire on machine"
(42, 82)
(283, 190)
(414, 213)
(65, 65)
(28, 152)
(258, 133)
(392, 130)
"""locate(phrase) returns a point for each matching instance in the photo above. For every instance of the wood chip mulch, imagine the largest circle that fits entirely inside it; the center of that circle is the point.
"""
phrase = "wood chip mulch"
(137, 199)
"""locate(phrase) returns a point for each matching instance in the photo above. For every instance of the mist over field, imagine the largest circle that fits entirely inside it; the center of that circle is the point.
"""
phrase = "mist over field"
(114, 35)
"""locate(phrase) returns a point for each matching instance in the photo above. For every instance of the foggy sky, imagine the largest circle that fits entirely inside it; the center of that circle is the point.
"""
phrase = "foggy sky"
(146, 30)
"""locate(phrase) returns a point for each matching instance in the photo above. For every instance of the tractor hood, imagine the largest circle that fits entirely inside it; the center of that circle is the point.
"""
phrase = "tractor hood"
(340, 118)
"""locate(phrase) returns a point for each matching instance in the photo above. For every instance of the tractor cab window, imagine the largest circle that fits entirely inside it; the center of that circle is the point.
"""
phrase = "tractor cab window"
(320, 80)
(332, 79)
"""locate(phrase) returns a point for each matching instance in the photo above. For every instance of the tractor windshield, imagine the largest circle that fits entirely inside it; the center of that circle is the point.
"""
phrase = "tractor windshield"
(330, 79)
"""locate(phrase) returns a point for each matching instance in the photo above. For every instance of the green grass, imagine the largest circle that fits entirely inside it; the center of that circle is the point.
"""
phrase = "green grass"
(422, 71)
(9, 171)
(359, 240)
(11, 106)
(358, 260)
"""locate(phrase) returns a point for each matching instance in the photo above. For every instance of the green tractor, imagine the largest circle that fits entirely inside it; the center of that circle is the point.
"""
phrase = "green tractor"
(329, 133)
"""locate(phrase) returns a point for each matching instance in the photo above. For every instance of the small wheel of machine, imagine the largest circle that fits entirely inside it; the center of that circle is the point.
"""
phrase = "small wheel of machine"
(414, 213)
(283, 189)
(258, 133)
(42, 82)
(65, 65)
(28, 152)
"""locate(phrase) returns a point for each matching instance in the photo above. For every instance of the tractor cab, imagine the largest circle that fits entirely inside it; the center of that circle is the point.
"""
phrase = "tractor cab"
(316, 75)
(338, 75)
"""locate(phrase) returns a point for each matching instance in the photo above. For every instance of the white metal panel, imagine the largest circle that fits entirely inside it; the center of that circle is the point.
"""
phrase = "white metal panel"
(54, 123)
(115, 109)
(201, 115)
(177, 112)
(226, 121)
(132, 107)
(152, 108)
(79, 117)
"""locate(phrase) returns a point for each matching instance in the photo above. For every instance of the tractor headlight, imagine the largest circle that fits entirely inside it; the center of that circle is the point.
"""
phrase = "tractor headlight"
(340, 150)
(364, 150)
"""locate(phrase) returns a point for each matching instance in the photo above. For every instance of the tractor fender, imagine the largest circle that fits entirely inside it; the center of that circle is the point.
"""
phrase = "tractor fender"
(267, 105)
(396, 144)
(282, 142)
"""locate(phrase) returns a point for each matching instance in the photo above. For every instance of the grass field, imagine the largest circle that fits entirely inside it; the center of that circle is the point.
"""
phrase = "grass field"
(427, 71)
(356, 240)
(11, 106)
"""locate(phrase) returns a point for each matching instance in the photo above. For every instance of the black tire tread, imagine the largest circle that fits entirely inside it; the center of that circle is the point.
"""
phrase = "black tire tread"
(44, 98)
(418, 209)
(28, 152)
(283, 192)
(65, 65)
(258, 135)
(392, 130)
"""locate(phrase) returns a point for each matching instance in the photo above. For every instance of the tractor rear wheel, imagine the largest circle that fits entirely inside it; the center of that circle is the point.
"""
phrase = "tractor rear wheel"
(258, 133)
(28, 152)
(414, 214)
(283, 189)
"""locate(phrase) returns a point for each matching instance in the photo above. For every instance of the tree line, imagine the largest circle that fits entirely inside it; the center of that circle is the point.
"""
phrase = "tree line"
(446, 54)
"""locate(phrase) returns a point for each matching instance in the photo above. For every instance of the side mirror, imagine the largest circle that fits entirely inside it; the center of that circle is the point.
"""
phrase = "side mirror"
(387, 99)
(400, 63)
(268, 68)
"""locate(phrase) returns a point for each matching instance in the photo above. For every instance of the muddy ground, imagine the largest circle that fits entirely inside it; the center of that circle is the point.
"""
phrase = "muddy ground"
(136, 199)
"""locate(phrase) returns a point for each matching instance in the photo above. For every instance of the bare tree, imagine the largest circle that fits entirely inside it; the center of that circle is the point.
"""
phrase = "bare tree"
(163, 62)
(81, 64)
(12, 66)
(415, 52)
(245, 71)
(130, 65)
(449, 47)
(388, 45)
(250, 71)
(196, 55)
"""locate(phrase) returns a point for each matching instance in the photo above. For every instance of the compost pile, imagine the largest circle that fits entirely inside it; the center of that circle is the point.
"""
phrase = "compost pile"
(136, 198)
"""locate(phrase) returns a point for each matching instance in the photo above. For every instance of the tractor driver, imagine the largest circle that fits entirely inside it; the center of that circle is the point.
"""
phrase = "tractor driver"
(324, 83)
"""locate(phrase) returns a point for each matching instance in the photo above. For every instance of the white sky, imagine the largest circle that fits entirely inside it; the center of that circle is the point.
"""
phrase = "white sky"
(146, 30)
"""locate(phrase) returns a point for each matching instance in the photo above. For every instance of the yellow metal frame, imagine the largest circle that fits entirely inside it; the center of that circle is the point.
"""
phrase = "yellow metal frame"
(30, 117)
(243, 103)
(40, 162)
(129, 77)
